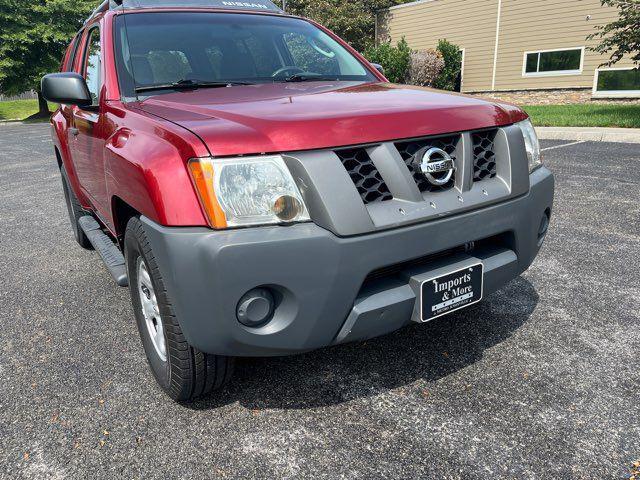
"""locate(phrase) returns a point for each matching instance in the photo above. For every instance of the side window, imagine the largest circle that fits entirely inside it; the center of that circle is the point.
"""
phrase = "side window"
(92, 65)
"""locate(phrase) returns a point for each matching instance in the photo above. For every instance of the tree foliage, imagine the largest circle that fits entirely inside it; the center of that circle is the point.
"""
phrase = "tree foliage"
(620, 38)
(33, 37)
(354, 20)
(395, 60)
(452, 56)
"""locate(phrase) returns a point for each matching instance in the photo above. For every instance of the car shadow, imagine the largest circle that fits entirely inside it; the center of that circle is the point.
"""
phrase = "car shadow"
(342, 373)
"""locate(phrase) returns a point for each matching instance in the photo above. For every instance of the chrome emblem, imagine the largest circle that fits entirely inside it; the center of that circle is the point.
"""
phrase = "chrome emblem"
(437, 166)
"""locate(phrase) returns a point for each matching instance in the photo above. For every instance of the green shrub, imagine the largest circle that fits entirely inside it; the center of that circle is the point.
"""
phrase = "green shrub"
(395, 60)
(452, 56)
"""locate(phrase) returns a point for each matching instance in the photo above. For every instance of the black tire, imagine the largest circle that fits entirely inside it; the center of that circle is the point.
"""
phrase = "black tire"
(186, 373)
(75, 211)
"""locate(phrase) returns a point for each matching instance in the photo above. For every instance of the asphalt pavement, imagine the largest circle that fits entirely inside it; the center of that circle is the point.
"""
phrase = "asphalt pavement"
(540, 380)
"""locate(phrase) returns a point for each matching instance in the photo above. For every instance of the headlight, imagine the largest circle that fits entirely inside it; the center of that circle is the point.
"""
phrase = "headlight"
(247, 191)
(531, 143)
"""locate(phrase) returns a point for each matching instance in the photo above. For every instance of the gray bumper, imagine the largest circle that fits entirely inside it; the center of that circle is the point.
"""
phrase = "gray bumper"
(319, 276)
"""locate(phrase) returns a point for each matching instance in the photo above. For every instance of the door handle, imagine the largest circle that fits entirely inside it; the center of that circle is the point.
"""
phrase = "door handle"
(73, 131)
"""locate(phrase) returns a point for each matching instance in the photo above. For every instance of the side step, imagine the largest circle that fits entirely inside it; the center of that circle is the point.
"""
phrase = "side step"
(110, 254)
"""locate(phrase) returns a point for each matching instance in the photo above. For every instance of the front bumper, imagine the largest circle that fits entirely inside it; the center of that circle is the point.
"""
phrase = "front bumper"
(319, 276)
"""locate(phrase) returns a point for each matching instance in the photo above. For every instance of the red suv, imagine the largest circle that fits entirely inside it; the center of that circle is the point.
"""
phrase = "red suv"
(263, 190)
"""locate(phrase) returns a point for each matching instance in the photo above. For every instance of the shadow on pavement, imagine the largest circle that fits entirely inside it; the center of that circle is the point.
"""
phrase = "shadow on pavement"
(342, 373)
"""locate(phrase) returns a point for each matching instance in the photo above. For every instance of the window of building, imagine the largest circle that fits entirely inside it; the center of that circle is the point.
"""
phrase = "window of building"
(553, 62)
(617, 82)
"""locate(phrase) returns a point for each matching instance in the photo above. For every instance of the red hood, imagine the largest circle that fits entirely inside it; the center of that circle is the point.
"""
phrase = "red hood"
(282, 117)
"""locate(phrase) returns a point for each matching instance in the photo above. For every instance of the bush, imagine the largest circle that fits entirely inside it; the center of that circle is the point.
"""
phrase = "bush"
(452, 56)
(394, 60)
(424, 67)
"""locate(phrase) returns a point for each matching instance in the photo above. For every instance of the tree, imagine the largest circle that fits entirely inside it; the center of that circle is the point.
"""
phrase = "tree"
(621, 37)
(33, 37)
(354, 20)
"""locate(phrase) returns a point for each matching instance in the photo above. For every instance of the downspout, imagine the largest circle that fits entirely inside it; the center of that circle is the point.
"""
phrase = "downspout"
(495, 51)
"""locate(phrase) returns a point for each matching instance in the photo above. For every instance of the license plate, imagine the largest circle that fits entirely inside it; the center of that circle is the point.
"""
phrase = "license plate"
(451, 291)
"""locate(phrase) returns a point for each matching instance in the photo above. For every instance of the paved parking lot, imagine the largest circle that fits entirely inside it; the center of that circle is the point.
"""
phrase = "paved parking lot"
(541, 380)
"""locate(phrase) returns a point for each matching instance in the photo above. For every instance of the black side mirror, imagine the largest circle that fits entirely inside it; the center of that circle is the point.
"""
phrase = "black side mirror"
(66, 87)
(378, 67)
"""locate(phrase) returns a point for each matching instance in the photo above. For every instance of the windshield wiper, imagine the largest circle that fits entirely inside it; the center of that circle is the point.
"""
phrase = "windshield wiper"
(308, 77)
(188, 84)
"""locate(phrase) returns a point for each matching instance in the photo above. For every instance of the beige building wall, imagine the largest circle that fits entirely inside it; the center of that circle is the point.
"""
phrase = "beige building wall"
(470, 24)
(523, 26)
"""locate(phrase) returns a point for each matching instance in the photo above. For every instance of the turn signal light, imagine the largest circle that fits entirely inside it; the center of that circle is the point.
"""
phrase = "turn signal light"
(202, 174)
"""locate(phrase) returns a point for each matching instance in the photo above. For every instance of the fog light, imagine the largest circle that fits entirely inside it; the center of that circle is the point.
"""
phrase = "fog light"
(255, 307)
(544, 226)
(286, 207)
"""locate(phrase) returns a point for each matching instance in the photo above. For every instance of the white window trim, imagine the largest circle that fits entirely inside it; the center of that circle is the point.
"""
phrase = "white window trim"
(555, 73)
(612, 93)
(462, 70)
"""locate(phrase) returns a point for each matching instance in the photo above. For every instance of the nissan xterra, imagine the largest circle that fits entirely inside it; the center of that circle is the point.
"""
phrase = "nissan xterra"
(263, 189)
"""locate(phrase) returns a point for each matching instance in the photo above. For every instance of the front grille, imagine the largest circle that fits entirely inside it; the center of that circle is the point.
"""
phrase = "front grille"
(484, 157)
(408, 150)
(364, 175)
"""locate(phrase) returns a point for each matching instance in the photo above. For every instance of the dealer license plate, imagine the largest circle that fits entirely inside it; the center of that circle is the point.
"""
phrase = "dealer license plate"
(451, 291)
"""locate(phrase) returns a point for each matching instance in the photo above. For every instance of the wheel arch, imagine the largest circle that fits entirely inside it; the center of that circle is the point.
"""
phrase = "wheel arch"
(121, 212)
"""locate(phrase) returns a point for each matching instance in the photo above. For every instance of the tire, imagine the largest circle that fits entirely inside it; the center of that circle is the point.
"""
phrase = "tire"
(184, 372)
(75, 211)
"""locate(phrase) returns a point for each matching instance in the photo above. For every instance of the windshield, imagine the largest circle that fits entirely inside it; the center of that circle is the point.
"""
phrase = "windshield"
(189, 48)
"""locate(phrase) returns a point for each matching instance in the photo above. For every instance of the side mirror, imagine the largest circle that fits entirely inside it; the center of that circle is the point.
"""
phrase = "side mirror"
(378, 67)
(66, 87)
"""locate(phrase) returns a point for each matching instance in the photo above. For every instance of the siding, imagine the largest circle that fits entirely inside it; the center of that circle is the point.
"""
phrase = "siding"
(524, 26)
(471, 24)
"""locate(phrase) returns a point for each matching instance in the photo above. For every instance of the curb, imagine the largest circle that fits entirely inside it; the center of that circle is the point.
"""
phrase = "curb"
(619, 135)
(22, 122)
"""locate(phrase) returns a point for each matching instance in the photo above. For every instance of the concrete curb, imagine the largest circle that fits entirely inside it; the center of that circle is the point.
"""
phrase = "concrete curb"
(22, 122)
(621, 135)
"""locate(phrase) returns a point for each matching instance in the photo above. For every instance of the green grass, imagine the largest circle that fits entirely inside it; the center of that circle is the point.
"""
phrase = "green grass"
(585, 115)
(576, 115)
(20, 109)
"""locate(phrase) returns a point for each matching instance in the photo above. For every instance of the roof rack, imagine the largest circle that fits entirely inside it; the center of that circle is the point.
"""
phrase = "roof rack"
(255, 5)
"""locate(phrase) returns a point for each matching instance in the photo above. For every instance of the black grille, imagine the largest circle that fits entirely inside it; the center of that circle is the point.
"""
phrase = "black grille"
(364, 174)
(408, 150)
(484, 157)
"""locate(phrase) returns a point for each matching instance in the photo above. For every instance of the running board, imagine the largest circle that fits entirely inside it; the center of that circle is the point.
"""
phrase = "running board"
(109, 252)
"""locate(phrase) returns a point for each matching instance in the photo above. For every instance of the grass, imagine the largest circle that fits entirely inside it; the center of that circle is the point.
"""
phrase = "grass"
(585, 115)
(20, 109)
(576, 115)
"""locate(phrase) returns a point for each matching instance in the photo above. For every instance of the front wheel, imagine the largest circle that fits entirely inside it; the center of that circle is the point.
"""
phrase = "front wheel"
(183, 372)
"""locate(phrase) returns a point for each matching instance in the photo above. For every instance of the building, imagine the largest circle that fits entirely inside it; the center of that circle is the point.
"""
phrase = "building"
(516, 49)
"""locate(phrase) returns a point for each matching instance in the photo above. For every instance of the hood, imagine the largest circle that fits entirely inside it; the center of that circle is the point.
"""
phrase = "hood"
(281, 117)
